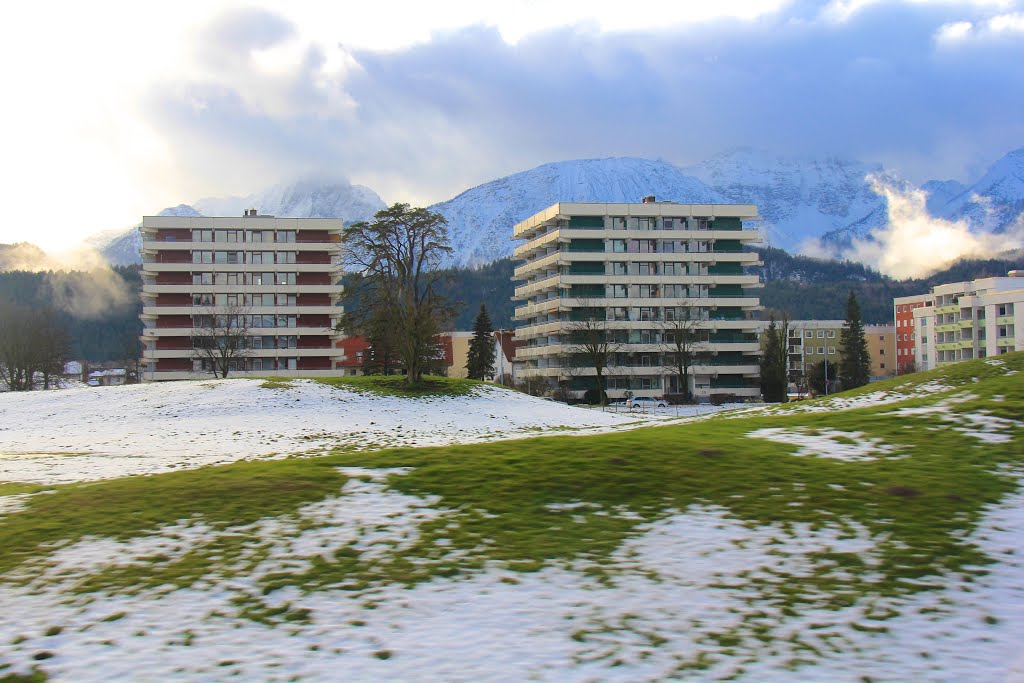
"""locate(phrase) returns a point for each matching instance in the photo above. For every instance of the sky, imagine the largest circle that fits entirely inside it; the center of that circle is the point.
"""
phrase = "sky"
(118, 109)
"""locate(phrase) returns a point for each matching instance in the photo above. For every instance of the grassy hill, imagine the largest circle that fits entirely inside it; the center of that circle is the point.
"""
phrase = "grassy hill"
(837, 538)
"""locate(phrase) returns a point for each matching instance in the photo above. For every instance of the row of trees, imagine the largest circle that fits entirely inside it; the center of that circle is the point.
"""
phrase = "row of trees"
(33, 348)
(854, 369)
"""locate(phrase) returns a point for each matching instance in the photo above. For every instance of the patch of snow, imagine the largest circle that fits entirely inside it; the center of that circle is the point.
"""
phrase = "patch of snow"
(678, 588)
(150, 428)
(980, 425)
(829, 443)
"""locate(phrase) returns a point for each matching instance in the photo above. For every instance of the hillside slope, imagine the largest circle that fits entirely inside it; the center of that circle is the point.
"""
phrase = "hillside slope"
(823, 540)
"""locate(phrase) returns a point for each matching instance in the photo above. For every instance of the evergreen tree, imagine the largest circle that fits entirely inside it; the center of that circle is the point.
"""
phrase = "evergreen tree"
(774, 380)
(855, 364)
(822, 376)
(480, 364)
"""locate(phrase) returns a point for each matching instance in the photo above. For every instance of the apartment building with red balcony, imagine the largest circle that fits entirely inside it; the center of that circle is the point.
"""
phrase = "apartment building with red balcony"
(281, 274)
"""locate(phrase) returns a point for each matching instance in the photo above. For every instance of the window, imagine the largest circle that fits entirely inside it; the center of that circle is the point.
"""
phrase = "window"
(202, 278)
(285, 257)
(831, 334)
(821, 334)
(619, 268)
(831, 349)
(643, 246)
(647, 268)
(821, 350)
(620, 291)
(881, 352)
(619, 246)
(810, 334)
(202, 235)
(202, 257)
(284, 236)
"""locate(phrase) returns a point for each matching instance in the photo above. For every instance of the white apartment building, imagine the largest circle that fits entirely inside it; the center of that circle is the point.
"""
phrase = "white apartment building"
(967, 320)
(635, 270)
(281, 274)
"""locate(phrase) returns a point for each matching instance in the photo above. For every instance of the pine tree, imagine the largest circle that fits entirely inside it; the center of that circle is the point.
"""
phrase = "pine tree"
(774, 381)
(480, 364)
(855, 364)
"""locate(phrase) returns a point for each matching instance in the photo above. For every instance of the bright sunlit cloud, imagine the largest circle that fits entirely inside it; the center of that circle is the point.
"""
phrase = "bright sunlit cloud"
(118, 111)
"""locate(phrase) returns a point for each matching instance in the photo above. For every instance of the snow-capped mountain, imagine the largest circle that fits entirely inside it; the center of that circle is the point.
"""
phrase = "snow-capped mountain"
(799, 198)
(996, 200)
(302, 199)
(480, 220)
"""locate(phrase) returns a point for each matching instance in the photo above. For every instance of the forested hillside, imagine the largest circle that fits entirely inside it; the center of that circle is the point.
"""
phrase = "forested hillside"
(100, 309)
(101, 312)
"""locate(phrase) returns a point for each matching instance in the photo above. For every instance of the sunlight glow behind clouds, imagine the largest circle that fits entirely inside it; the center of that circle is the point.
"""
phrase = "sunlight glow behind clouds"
(120, 112)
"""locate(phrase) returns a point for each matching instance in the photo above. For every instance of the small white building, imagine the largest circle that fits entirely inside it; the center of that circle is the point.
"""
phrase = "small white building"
(114, 377)
(968, 320)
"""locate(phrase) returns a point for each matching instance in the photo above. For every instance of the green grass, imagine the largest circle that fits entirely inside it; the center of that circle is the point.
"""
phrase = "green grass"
(12, 487)
(390, 385)
(497, 501)
(229, 495)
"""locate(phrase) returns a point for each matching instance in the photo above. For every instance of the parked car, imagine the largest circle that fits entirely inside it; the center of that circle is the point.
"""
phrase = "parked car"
(638, 402)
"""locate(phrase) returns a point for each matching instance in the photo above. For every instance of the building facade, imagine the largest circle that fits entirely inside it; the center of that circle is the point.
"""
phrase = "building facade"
(277, 278)
(636, 275)
(906, 329)
(809, 343)
(812, 341)
(967, 320)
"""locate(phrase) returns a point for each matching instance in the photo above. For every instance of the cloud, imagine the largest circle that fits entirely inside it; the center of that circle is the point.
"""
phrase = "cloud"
(915, 244)
(1000, 27)
(426, 121)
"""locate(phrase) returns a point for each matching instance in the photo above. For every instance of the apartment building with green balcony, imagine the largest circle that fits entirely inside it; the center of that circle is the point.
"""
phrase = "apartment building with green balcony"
(636, 276)
(967, 320)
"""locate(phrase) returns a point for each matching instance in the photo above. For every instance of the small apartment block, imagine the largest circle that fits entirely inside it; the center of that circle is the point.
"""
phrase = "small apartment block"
(968, 320)
(812, 341)
(637, 269)
(906, 328)
(281, 274)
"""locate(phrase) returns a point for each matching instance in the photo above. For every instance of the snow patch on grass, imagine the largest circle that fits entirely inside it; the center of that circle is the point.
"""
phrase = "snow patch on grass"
(684, 601)
(981, 425)
(829, 443)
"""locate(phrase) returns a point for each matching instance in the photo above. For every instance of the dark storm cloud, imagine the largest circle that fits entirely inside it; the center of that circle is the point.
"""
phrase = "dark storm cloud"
(467, 107)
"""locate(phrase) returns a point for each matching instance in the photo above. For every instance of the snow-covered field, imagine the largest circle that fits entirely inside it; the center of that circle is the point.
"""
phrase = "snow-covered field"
(660, 618)
(691, 596)
(85, 434)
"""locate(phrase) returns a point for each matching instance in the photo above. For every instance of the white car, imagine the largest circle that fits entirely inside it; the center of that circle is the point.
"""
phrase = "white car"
(638, 402)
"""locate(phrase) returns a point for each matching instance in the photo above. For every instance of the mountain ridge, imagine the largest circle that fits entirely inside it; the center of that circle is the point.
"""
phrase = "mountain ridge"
(808, 203)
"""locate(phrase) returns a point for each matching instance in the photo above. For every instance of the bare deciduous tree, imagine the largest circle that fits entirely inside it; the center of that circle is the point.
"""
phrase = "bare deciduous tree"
(31, 344)
(220, 339)
(684, 342)
(590, 340)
